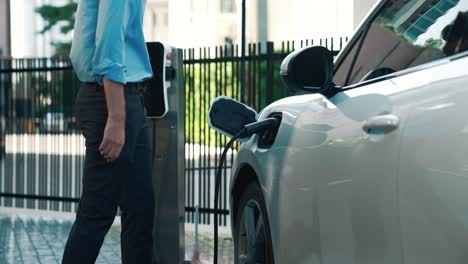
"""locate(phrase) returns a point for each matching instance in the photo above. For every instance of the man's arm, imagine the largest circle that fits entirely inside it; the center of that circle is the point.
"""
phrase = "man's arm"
(114, 133)
(109, 55)
(109, 68)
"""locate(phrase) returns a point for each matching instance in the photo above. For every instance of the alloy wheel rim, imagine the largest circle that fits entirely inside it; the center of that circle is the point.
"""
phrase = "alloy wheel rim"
(252, 236)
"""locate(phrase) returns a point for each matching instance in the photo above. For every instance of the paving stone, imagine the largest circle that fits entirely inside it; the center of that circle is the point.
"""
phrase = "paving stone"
(35, 240)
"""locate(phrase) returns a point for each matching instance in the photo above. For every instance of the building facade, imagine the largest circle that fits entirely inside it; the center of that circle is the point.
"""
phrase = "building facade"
(26, 41)
(156, 23)
(305, 19)
(199, 23)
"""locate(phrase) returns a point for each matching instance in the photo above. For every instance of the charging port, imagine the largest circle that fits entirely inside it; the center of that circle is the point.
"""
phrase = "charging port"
(267, 138)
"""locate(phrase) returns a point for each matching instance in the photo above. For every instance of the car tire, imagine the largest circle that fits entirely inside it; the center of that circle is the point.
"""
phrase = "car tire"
(252, 218)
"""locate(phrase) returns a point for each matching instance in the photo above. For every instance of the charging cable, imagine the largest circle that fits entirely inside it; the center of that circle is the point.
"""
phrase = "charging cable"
(247, 131)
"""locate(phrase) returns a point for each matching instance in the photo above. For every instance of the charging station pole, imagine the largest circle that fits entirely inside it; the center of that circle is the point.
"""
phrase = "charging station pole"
(168, 139)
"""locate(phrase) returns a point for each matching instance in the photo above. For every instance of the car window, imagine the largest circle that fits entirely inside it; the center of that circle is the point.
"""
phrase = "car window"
(406, 33)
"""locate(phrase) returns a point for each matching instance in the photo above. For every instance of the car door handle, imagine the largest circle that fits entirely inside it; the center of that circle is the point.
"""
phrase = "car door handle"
(381, 124)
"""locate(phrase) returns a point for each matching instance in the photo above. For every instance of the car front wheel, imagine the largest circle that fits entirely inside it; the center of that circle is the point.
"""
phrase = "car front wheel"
(252, 231)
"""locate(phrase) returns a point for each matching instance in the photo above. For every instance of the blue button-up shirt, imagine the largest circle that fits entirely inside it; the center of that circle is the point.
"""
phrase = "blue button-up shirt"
(109, 43)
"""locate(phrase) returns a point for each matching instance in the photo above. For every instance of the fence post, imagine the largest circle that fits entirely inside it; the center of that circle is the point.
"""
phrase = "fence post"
(243, 59)
(270, 75)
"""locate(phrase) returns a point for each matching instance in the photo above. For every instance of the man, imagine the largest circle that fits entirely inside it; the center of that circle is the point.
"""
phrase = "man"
(110, 58)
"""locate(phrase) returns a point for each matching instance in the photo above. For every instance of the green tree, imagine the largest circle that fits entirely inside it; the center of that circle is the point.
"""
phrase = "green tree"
(62, 17)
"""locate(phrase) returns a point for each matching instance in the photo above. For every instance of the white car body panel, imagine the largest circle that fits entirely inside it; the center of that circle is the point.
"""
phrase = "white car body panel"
(433, 177)
(337, 187)
(336, 194)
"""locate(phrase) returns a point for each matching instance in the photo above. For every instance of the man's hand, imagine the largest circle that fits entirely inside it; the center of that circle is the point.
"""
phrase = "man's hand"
(114, 133)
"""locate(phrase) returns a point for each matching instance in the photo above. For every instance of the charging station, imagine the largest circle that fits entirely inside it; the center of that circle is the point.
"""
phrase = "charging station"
(165, 105)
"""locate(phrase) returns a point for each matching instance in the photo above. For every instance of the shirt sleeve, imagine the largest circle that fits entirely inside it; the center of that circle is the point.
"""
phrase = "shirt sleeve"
(109, 56)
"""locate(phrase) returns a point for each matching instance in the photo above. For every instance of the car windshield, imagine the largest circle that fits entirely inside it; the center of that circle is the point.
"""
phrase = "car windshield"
(405, 33)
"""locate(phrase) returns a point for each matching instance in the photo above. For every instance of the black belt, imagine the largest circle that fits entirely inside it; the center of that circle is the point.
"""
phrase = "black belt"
(139, 86)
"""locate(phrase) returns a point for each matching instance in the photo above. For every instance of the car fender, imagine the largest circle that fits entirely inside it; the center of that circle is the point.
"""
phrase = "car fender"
(258, 160)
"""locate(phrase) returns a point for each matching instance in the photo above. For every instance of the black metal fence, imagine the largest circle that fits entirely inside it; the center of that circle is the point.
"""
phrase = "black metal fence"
(44, 152)
(42, 149)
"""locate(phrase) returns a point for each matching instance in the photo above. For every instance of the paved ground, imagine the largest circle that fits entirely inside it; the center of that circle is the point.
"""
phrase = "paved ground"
(30, 239)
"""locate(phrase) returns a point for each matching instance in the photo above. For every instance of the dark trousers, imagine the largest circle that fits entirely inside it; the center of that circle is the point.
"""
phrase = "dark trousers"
(124, 183)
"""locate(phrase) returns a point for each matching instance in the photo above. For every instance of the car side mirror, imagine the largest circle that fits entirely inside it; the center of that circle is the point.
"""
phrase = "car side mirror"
(309, 70)
(229, 116)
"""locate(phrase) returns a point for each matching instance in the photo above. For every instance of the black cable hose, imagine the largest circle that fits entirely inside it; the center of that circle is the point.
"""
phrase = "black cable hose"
(248, 130)
(217, 189)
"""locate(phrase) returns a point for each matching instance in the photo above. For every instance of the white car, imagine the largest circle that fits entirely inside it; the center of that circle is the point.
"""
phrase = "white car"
(370, 164)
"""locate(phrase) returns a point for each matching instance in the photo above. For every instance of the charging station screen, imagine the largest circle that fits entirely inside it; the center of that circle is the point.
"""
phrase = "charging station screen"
(154, 93)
